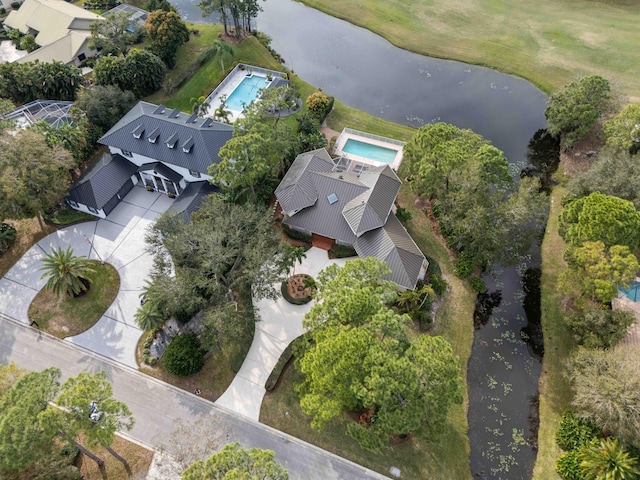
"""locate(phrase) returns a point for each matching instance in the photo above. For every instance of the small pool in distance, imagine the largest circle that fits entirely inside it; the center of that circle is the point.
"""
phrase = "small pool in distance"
(369, 150)
(246, 92)
(633, 292)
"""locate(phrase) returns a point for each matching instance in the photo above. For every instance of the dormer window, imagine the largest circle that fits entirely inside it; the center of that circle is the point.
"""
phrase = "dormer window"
(153, 135)
(172, 140)
(188, 145)
(138, 131)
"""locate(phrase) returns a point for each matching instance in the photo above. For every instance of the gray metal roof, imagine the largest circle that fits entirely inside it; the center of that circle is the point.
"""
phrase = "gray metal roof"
(351, 209)
(393, 244)
(296, 190)
(370, 210)
(99, 184)
(195, 146)
(190, 199)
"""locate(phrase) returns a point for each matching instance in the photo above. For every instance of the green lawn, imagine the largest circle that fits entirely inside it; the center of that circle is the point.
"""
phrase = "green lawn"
(66, 316)
(554, 388)
(549, 42)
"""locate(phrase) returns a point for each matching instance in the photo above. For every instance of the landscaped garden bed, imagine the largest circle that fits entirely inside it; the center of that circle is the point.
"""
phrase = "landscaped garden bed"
(298, 289)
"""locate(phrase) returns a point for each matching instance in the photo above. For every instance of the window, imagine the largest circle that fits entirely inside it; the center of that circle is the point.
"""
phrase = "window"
(72, 203)
(127, 153)
(194, 174)
(333, 198)
(93, 210)
(82, 57)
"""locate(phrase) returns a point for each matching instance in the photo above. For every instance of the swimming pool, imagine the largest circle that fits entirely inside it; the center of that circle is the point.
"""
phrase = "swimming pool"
(369, 150)
(246, 92)
(633, 292)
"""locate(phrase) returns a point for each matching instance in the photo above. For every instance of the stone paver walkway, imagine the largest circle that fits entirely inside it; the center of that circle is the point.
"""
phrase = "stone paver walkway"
(280, 324)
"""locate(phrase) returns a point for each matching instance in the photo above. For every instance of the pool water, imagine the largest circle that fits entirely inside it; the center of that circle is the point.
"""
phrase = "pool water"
(368, 150)
(633, 292)
(245, 93)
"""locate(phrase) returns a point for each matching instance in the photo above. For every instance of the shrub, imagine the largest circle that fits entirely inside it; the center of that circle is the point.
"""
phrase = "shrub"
(599, 328)
(272, 381)
(438, 284)
(7, 236)
(573, 432)
(464, 265)
(296, 235)
(15, 5)
(184, 356)
(568, 466)
(478, 285)
(341, 251)
(403, 215)
(424, 319)
(319, 104)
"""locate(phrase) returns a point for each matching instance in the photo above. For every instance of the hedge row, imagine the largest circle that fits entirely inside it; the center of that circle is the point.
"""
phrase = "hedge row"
(272, 381)
(341, 251)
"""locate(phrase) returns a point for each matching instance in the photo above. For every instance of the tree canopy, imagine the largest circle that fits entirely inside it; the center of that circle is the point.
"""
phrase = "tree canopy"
(601, 270)
(598, 217)
(234, 463)
(238, 12)
(606, 386)
(112, 35)
(33, 175)
(26, 82)
(167, 32)
(357, 357)
(574, 110)
(140, 72)
(481, 211)
(600, 328)
(623, 130)
(104, 105)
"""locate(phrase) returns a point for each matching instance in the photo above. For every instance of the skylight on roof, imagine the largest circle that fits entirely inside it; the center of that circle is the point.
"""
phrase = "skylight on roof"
(333, 198)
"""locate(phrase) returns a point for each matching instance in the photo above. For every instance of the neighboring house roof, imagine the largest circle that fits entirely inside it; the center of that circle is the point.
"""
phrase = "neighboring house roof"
(50, 19)
(99, 184)
(64, 50)
(195, 141)
(316, 196)
(393, 244)
(191, 198)
(137, 15)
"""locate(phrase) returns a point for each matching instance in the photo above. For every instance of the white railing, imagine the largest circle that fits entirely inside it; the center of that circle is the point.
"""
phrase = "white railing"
(246, 69)
(371, 136)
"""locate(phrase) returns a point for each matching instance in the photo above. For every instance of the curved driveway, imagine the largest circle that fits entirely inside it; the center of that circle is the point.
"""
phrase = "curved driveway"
(117, 240)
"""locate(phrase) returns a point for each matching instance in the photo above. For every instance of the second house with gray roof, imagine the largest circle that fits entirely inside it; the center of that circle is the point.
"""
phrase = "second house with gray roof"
(162, 149)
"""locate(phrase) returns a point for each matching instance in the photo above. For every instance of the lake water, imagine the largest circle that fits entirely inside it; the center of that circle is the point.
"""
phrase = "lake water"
(366, 72)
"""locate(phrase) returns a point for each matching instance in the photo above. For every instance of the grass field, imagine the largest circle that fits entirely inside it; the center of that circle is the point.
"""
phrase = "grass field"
(554, 388)
(66, 316)
(549, 42)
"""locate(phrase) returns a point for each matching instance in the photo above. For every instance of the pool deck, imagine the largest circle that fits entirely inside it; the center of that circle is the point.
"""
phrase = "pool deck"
(235, 79)
(633, 334)
(364, 161)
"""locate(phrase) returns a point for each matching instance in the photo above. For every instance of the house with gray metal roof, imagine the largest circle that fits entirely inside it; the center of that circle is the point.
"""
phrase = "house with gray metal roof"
(319, 197)
(166, 151)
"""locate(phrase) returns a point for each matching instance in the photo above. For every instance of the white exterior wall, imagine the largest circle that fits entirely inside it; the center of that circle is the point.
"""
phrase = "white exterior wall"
(84, 209)
(141, 160)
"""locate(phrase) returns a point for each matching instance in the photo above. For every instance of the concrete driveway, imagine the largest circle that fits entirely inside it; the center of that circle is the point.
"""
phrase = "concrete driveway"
(280, 324)
(117, 240)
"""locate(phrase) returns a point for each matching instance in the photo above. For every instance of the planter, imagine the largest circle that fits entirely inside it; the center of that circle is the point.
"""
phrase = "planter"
(149, 188)
(294, 290)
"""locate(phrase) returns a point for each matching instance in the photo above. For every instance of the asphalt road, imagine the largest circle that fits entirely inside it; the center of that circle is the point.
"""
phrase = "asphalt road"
(156, 405)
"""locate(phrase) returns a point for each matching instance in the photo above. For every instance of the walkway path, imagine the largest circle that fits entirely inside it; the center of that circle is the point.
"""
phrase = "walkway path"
(119, 241)
(280, 324)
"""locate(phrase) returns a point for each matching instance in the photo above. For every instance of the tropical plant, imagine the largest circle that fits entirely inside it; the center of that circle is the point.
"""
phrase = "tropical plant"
(66, 273)
(199, 105)
(149, 317)
(607, 459)
(623, 130)
(222, 113)
(7, 236)
(221, 50)
(290, 257)
(167, 32)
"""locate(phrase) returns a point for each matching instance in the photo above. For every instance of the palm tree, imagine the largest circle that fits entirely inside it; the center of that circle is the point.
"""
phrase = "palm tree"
(67, 273)
(607, 460)
(199, 105)
(7, 235)
(221, 49)
(149, 316)
(411, 300)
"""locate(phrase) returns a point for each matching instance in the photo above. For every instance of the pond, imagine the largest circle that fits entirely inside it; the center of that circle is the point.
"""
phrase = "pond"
(366, 72)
